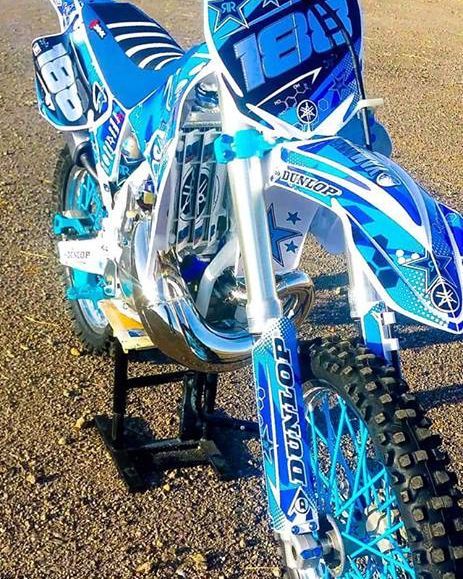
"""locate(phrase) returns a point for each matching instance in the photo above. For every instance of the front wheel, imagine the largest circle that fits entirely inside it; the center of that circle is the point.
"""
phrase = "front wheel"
(387, 503)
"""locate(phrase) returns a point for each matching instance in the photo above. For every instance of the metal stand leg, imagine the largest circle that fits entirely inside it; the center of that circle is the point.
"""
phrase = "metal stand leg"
(200, 431)
(121, 366)
(190, 411)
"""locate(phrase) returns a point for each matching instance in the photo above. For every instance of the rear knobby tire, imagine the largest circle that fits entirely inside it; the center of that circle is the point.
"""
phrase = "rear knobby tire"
(95, 340)
(427, 497)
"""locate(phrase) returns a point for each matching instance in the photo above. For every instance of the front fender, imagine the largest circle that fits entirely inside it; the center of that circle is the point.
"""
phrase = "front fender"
(409, 244)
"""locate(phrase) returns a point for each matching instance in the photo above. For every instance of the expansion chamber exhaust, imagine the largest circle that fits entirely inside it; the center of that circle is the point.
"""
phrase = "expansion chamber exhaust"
(176, 327)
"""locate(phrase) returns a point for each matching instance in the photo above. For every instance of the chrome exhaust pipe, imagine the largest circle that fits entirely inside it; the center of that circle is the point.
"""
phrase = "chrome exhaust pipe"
(175, 326)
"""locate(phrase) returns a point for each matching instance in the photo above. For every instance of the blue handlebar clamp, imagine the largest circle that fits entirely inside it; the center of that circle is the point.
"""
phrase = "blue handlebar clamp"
(244, 145)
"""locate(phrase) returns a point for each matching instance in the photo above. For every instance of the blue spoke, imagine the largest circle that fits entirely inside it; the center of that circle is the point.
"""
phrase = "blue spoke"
(332, 479)
(314, 459)
(318, 471)
(372, 481)
(326, 412)
(357, 476)
(373, 551)
(321, 437)
(392, 569)
(350, 480)
(375, 499)
(387, 504)
(331, 430)
(399, 551)
(352, 432)
(379, 538)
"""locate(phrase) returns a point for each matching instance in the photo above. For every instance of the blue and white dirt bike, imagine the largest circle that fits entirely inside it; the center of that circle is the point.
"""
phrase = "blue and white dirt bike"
(187, 188)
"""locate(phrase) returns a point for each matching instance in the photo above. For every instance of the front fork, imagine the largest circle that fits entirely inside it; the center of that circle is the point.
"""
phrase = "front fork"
(280, 403)
(375, 319)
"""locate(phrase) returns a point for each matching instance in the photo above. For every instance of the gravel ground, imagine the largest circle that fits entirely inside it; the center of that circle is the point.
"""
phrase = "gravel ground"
(63, 512)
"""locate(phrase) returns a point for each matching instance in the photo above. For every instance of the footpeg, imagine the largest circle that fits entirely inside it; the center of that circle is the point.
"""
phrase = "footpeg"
(71, 224)
(87, 292)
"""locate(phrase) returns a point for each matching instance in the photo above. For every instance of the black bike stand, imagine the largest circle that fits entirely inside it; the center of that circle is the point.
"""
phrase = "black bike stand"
(201, 438)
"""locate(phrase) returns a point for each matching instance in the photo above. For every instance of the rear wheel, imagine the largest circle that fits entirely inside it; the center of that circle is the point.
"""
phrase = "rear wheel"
(387, 501)
(75, 189)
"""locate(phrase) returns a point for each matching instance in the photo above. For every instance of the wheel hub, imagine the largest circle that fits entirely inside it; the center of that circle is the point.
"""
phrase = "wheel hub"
(303, 553)
(334, 553)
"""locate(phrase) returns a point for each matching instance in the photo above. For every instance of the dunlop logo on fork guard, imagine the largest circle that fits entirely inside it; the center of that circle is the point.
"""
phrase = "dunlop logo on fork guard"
(290, 413)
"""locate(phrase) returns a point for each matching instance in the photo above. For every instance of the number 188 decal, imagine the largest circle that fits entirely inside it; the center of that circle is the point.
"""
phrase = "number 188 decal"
(58, 80)
(287, 43)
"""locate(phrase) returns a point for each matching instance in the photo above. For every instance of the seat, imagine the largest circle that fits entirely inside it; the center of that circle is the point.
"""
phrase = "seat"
(134, 53)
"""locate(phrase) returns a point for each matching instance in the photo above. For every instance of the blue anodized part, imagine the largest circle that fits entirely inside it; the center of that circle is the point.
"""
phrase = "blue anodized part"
(63, 224)
(88, 287)
(244, 145)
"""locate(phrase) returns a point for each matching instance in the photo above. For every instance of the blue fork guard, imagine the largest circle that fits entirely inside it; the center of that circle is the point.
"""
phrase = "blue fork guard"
(283, 429)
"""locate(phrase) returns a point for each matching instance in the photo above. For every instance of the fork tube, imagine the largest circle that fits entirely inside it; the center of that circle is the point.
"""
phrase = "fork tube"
(247, 193)
(247, 186)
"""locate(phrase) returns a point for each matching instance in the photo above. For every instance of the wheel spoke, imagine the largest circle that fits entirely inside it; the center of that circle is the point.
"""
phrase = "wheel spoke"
(337, 447)
(366, 547)
(379, 538)
(322, 485)
(333, 485)
(387, 504)
(360, 492)
(333, 435)
(392, 569)
(353, 485)
(360, 462)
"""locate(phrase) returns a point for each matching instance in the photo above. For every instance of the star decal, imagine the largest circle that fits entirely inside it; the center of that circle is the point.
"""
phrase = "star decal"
(434, 269)
(293, 217)
(278, 235)
(291, 247)
(339, 84)
(274, 2)
(228, 11)
(268, 445)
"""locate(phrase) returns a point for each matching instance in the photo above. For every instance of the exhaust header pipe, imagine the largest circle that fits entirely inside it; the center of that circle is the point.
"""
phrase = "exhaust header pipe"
(176, 327)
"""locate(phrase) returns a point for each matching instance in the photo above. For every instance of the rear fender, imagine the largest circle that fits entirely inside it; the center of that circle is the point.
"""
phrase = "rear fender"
(409, 245)
(66, 11)
(71, 92)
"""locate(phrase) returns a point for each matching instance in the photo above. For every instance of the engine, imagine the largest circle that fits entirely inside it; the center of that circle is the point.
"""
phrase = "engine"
(188, 296)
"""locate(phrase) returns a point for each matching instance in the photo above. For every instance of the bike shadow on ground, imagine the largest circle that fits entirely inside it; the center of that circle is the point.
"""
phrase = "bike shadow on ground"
(335, 312)
(151, 465)
(441, 396)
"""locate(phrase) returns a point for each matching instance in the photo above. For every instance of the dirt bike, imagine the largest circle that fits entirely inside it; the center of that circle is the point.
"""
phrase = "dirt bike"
(188, 186)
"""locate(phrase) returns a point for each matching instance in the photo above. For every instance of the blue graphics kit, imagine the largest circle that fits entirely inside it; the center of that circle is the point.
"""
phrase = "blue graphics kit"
(276, 93)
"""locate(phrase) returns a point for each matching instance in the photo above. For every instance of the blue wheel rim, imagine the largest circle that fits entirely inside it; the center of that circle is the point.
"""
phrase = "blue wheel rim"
(353, 488)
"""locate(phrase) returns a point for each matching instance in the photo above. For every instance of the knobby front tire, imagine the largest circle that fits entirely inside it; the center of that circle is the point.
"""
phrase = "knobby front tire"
(380, 473)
